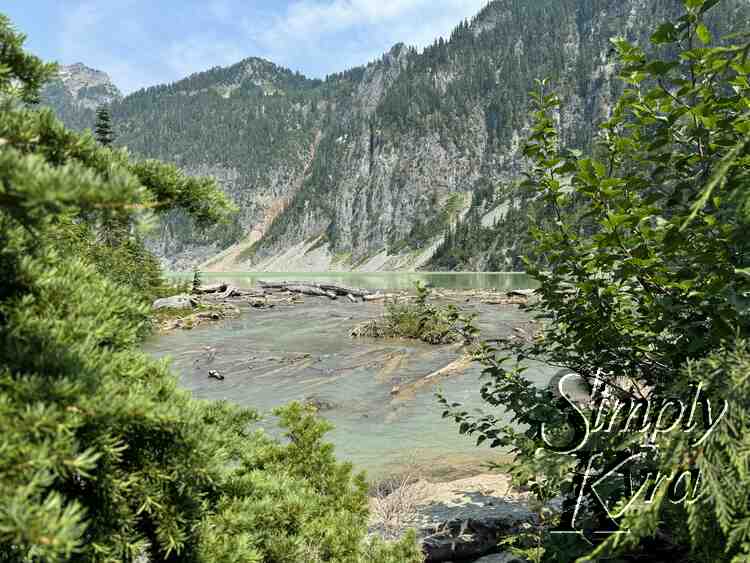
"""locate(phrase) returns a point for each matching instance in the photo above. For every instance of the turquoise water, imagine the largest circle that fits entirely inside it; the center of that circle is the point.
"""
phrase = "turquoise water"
(273, 356)
(379, 280)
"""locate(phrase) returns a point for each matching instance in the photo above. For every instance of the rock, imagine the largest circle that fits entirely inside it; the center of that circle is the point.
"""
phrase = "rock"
(210, 315)
(465, 539)
(504, 557)
(462, 520)
(215, 375)
(84, 87)
(319, 403)
(574, 387)
(174, 302)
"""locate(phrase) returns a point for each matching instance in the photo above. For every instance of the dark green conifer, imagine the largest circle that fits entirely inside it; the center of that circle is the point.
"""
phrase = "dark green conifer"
(103, 129)
(102, 456)
(197, 282)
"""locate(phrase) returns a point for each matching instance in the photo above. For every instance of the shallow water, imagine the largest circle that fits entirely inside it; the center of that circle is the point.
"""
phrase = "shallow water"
(379, 280)
(273, 356)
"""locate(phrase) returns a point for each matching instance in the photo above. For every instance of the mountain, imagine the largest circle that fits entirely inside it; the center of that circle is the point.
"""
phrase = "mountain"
(77, 91)
(370, 169)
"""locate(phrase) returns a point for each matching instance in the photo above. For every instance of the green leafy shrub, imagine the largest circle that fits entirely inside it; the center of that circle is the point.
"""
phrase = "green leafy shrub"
(422, 320)
(648, 275)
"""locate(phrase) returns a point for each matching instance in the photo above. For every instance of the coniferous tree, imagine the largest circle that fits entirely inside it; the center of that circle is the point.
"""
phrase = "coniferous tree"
(103, 128)
(196, 281)
(103, 457)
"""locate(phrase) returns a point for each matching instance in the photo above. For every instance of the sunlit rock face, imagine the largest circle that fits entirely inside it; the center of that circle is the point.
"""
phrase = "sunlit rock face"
(369, 168)
(77, 91)
(88, 87)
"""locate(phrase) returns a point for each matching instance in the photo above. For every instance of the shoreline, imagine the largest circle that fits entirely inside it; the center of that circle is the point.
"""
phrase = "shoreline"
(210, 308)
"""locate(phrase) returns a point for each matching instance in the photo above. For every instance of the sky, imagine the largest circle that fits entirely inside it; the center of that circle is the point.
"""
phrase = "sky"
(141, 43)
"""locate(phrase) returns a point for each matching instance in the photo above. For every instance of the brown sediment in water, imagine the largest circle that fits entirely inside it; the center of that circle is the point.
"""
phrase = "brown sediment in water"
(456, 367)
(393, 364)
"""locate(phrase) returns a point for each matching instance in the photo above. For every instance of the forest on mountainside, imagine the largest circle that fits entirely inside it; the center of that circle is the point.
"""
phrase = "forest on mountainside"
(367, 160)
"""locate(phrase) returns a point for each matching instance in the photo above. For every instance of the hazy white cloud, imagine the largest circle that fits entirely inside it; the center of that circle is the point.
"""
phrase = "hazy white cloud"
(201, 52)
(141, 43)
(101, 35)
(305, 18)
(317, 18)
(76, 24)
(336, 34)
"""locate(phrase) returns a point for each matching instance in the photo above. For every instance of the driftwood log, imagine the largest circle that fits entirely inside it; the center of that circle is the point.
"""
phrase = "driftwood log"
(380, 296)
(218, 288)
(521, 293)
(331, 290)
(228, 291)
(344, 290)
(311, 290)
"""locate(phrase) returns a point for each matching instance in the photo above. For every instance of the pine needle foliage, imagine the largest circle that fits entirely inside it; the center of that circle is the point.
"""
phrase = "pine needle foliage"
(102, 457)
(103, 128)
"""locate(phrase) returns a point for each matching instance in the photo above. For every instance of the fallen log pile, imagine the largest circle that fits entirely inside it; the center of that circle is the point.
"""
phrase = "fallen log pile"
(312, 290)
(330, 290)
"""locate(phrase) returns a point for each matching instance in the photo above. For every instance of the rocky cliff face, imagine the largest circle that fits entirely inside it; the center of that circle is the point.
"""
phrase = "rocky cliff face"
(424, 128)
(76, 93)
(366, 169)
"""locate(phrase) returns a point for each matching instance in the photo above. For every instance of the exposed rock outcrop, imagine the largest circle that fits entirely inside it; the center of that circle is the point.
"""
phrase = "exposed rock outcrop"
(460, 520)
(77, 91)
(174, 302)
(368, 169)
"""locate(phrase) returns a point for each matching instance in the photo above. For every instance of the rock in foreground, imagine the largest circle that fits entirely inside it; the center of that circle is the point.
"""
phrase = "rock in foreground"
(456, 521)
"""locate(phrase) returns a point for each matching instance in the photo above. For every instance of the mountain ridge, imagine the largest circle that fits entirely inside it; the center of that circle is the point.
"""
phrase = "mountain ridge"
(371, 167)
(77, 91)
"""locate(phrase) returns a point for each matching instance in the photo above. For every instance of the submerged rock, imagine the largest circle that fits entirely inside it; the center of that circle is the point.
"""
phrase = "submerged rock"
(319, 403)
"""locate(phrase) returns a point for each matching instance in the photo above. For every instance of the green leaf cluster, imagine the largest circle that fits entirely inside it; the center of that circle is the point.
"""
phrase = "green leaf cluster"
(643, 274)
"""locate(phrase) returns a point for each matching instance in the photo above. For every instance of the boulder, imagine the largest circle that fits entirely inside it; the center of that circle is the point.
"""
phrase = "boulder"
(174, 302)
(465, 539)
(504, 557)
(466, 519)
(213, 374)
(459, 520)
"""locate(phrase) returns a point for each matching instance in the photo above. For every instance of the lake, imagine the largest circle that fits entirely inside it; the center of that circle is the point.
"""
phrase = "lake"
(378, 280)
(273, 356)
